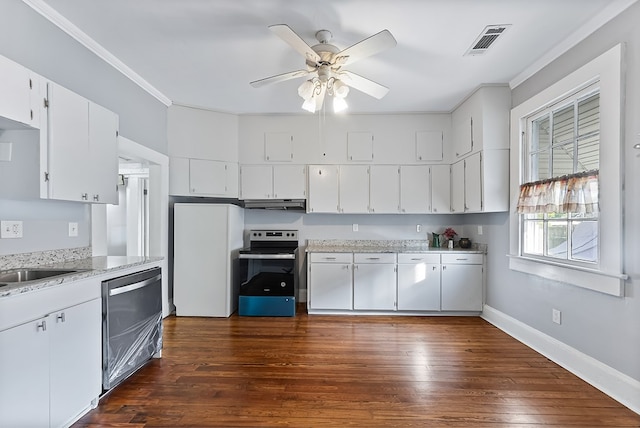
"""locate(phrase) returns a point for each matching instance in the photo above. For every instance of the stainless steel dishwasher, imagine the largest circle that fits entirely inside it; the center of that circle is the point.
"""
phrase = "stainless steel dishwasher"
(131, 324)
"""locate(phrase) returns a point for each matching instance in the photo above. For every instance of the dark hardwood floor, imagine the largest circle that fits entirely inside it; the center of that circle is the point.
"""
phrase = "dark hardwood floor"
(346, 371)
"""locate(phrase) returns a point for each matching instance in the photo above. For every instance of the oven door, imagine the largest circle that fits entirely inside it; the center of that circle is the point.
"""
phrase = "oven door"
(268, 274)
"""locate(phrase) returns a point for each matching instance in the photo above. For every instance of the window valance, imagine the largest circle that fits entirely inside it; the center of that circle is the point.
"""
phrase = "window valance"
(574, 193)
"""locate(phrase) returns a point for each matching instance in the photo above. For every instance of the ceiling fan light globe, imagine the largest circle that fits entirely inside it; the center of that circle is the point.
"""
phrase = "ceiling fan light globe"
(305, 90)
(340, 89)
(309, 105)
(339, 104)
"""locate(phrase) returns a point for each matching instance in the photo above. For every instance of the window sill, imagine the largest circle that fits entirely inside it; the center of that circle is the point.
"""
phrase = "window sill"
(591, 279)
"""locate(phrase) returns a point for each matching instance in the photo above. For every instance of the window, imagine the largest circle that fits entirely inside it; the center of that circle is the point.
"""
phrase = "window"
(567, 138)
(562, 151)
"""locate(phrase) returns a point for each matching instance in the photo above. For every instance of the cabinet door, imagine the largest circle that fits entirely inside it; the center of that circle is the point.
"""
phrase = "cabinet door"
(429, 146)
(103, 146)
(354, 189)
(440, 188)
(75, 359)
(462, 122)
(278, 146)
(360, 146)
(207, 177)
(415, 189)
(457, 187)
(384, 189)
(16, 87)
(473, 183)
(374, 286)
(24, 374)
(323, 189)
(68, 127)
(289, 181)
(257, 181)
(419, 287)
(330, 286)
(461, 287)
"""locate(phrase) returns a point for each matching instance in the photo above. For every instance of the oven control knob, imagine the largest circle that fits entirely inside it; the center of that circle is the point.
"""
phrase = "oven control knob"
(283, 284)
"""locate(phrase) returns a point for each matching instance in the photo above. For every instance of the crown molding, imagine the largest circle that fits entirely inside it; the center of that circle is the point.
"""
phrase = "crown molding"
(81, 37)
(607, 14)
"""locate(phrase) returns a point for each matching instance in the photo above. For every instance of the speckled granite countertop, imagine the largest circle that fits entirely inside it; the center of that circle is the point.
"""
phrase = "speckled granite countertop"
(88, 267)
(383, 246)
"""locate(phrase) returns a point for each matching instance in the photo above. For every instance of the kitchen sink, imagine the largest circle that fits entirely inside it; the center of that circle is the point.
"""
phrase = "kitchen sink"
(32, 274)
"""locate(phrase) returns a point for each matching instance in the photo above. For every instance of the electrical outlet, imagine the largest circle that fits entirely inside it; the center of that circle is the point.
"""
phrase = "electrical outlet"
(479, 230)
(10, 229)
(418, 228)
(556, 316)
(355, 227)
(73, 229)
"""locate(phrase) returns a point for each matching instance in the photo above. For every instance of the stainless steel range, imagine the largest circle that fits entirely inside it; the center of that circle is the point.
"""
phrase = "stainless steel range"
(269, 274)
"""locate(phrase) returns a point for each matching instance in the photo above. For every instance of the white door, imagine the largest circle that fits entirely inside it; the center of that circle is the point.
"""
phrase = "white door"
(289, 181)
(323, 189)
(69, 154)
(419, 287)
(76, 355)
(440, 189)
(374, 286)
(473, 183)
(354, 189)
(384, 189)
(207, 177)
(257, 181)
(415, 189)
(24, 374)
(461, 287)
(103, 147)
(457, 187)
(330, 286)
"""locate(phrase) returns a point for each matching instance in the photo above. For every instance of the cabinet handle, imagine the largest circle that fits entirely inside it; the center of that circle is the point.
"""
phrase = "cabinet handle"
(329, 258)
(463, 258)
(434, 268)
(416, 258)
(61, 317)
(42, 325)
(444, 268)
(373, 258)
(85, 196)
(96, 198)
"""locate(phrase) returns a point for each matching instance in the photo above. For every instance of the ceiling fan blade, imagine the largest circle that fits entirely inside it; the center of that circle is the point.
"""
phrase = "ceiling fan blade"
(363, 84)
(288, 35)
(367, 47)
(279, 78)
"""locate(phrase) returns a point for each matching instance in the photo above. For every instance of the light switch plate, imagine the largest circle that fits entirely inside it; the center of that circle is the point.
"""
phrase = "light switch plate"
(5, 151)
(355, 227)
(73, 229)
(10, 229)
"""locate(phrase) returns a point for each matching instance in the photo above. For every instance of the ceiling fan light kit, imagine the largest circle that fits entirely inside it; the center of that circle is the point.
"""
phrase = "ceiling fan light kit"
(324, 63)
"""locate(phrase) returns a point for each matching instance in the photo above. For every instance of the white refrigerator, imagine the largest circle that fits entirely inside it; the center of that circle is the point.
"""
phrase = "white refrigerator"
(207, 239)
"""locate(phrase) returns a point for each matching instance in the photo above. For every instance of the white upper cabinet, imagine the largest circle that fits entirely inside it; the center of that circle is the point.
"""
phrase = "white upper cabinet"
(273, 182)
(323, 189)
(429, 146)
(202, 177)
(473, 183)
(82, 148)
(354, 189)
(415, 189)
(21, 100)
(278, 147)
(256, 182)
(457, 187)
(440, 189)
(384, 190)
(360, 146)
(479, 183)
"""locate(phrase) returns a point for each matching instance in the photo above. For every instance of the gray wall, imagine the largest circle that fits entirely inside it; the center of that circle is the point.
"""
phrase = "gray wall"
(606, 328)
(30, 40)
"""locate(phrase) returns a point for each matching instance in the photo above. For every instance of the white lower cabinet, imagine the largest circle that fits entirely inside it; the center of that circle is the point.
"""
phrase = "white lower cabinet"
(330, 281)
(50, 366)
(418, 282)
(374, 281)
(462, 282)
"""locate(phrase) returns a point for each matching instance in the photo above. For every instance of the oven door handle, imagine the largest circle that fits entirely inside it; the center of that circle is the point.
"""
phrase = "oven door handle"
(134, 286)
(268, 256)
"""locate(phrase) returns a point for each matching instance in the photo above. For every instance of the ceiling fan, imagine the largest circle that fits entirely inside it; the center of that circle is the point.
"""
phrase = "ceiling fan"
(324, 67)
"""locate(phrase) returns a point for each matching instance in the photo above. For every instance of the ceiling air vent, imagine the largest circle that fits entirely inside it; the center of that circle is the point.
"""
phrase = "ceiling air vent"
(487, 38)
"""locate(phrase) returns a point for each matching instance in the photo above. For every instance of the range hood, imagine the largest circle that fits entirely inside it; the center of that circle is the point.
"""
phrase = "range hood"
(276, 204)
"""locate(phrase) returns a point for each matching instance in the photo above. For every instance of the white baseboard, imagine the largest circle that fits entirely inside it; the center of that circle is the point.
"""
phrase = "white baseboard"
(615, 384)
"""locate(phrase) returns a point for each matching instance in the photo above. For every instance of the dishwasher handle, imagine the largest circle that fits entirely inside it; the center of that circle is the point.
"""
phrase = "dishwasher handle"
(134, 286)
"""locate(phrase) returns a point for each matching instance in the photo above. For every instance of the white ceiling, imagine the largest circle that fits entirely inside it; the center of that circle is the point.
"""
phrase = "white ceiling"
(204, 53)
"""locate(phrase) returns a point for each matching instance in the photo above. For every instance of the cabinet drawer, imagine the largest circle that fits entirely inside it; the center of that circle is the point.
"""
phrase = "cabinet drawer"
(462, 258)
(374, 258)
(419, 258)
(330, 257)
